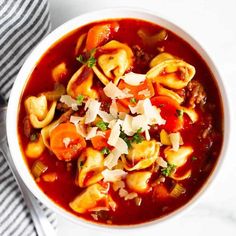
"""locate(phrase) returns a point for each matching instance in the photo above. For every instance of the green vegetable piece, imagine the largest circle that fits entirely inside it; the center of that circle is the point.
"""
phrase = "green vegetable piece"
(80, 99)
(105, 151)
(102, 125)
(167, 171)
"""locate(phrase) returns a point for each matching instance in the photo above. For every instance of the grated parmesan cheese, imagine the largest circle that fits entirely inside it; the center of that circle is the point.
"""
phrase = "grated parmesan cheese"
(112, 159)
(112, 91)
(114, 135)
(114, 109)
(92, 112)
(113, 175)
(91, 132)
(69, 101)
(131, 196)
(176, 140)
(145, 93)
(66, 141)
(106, 117)
(134, 79)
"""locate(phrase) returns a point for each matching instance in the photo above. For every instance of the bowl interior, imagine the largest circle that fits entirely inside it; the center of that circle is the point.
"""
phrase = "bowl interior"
(28, 67)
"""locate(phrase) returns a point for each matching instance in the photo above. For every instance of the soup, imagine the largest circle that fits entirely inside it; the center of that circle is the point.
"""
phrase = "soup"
(121, 125)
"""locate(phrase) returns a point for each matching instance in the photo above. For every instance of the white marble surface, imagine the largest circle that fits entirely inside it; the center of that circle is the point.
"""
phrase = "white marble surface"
(212, 23)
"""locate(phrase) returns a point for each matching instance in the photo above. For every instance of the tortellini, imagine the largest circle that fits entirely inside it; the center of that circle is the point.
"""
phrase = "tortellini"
(81, 83)
(172, 73)
(180, 157)
(59, 71)
(169, 93)
(138, 181)
(142, 155)
(114, 62)
(90, 161)
(37, 109)
(94, 196)
(35, 149)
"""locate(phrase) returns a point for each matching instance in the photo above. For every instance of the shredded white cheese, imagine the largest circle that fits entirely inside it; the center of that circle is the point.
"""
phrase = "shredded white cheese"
(134, 79)
(146, 93)
(161, 162)
(106, 117)
(115, 133)
(118, 185)
(114, 109)
(112, 159)
(127, 125)
(175, 139)
(91, 132)
(69, 101)
(92, 112)
(131, 196)
(66, 141)
(122, 146)
(75, 119)
(123, 192)
(113, 175)
(113, 92)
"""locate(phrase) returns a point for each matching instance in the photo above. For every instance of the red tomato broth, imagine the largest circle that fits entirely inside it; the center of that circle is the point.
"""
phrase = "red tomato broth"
(64, 190)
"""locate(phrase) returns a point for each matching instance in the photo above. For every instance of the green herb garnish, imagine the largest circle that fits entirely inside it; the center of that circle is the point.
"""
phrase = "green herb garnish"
(80, 99)
(125, 138)
(33, 137)
(105, 151)
(179, 113)
(89, 60)
(194, 158)
(133, 100)
(137, 137)
(167, 171)
(102, 125)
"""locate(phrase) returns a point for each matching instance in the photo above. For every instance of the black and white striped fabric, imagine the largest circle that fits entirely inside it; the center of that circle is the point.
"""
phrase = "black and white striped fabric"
(23, 23)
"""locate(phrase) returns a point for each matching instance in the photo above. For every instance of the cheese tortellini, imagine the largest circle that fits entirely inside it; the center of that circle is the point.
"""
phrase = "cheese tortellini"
(37, 109)
(141, 156)
(170, 72)
(81, 83)
(93, 196)
(138, 181)
(114, 62)
(90, 161)
(180, 157)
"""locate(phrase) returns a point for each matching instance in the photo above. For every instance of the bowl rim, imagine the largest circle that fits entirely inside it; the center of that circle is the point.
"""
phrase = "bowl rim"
(32, 60)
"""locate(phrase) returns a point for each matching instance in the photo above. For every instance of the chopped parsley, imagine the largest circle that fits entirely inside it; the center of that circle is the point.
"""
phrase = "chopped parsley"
(133, 100)
(87, 59)
(105, 151)
(33, 137)
(80, 99)
(125, 138)
(167, 171)
(137, 137)
(102, 125)
(179, 113)
(194, 158)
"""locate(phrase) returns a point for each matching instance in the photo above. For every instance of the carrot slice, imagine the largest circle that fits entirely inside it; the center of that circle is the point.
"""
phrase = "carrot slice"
(65, 142)
(170, 111)
(135, 91)
(99, 142)
(100, 33)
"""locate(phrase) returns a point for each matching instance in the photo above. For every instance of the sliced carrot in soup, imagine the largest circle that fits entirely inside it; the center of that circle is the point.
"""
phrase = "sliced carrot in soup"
(65, 142)
(146, 89)
(98, 34)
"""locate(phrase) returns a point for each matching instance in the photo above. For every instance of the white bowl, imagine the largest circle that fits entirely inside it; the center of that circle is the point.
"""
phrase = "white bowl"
(27, 68)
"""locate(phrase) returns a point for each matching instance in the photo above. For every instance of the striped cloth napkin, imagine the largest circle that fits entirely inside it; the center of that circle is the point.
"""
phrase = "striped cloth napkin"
(23, 23)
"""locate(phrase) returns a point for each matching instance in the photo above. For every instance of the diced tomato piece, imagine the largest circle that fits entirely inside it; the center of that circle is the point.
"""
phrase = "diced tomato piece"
(170, 111)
